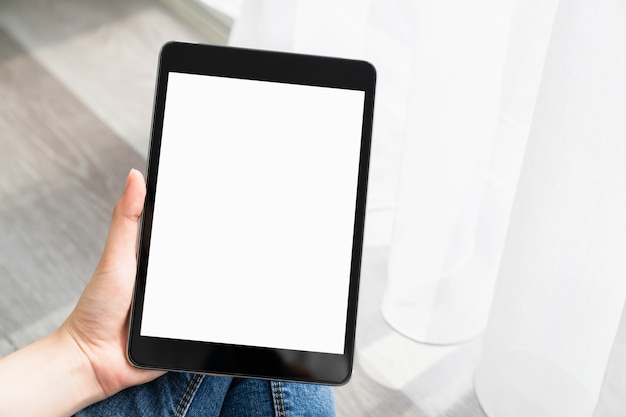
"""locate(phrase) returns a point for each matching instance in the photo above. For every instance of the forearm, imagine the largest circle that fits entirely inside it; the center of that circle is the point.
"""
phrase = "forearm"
(50, 377)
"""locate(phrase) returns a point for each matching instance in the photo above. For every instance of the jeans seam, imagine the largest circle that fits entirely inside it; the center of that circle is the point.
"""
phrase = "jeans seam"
(190, 391)
(279, 400)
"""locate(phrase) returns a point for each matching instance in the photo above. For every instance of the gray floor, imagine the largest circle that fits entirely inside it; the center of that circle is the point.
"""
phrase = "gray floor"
(76, 85)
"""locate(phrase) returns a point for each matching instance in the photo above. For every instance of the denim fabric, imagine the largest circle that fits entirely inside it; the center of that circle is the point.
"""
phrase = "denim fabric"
(193, 395)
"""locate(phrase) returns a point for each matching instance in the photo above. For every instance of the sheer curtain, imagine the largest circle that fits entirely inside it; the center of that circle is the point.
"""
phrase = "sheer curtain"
(464, 89)
(562, 280)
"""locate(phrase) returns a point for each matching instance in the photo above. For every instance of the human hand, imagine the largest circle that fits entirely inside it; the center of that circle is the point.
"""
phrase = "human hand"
(84, 361)
(99, 323)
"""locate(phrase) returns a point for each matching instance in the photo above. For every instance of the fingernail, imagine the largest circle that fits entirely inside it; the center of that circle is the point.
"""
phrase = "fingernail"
(130, 173)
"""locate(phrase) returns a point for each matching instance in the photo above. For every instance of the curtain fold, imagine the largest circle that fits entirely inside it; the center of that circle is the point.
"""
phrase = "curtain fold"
(440, 276)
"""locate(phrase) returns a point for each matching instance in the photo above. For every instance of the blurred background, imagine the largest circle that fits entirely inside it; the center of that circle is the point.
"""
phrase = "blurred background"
(494, 267)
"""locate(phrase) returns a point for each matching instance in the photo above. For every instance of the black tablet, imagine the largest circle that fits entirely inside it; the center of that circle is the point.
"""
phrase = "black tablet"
(250, 245)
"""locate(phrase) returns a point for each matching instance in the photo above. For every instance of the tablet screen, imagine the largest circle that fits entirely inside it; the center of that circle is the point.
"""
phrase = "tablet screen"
(254, 211)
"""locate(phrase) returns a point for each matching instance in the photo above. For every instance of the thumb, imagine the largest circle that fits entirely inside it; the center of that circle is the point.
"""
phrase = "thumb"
(121, 242)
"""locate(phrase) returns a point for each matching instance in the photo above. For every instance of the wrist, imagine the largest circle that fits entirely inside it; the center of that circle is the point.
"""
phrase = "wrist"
(82, 375)
(55, 370)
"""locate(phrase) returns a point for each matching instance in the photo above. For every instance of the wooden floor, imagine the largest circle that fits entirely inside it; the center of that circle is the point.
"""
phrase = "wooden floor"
(76, 90)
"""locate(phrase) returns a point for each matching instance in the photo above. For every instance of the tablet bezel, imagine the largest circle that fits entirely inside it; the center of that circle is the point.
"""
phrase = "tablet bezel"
(237, 360)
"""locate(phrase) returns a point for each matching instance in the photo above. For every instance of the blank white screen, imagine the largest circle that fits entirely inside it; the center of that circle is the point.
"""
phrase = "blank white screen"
(253, 221)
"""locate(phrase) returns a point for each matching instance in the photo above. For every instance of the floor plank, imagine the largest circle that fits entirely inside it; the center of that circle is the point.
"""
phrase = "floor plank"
(61, 170)
(104, 52)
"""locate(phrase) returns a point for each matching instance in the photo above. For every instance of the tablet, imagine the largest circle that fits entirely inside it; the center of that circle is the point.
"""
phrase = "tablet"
(250, 245)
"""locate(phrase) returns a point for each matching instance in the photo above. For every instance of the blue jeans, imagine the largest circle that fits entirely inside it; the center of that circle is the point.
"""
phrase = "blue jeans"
(192, 395)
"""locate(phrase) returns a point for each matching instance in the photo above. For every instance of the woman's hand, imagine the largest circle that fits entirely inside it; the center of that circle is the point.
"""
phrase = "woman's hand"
(99, 323)
(84, 361)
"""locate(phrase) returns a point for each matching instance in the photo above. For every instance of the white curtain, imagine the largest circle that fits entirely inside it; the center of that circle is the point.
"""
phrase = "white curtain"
(462, 87)
(562, 280)
(442, 258)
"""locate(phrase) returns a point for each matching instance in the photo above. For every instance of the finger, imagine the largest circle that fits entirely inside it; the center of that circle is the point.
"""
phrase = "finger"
(120, 244)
